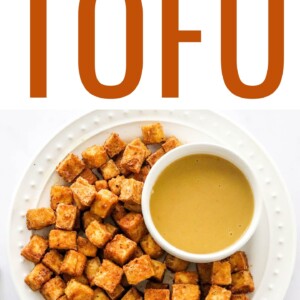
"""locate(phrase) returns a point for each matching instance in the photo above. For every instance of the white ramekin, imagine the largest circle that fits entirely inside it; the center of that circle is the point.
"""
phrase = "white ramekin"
(186, 150)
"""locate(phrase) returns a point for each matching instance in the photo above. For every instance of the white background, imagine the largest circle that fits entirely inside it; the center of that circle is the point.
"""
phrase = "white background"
(24, 133)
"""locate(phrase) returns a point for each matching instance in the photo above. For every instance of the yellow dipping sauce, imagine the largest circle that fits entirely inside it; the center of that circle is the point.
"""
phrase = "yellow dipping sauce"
(201, 204)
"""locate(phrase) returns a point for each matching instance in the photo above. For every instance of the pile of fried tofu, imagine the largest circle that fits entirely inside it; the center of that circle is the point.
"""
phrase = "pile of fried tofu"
(98, 246)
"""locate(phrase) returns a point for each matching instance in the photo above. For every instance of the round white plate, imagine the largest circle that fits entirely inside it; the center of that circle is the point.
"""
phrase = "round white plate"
(272, 249)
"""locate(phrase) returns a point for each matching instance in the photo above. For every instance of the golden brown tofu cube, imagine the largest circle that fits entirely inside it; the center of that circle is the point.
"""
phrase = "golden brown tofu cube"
(114, 145)
(53, 260)
(88, 175)
(53, 289)
(91, 269)
(109, 276)
(38, 276)
(78, 291)
(117, 293)
(153, 133)
(204, 271)
(73, 263)
(185, 292)
(150, 247)
(104, 203)
(95, 156)
(101, 184)
(85, 247)
(221, 273)
(186, 277)
(83, 192)
(60, 194)
(35, 249)
(171, 143)
(238, 262)
(175, 264)
(154, 157)
(156, 294)
(99, 294)
(65, 216)
(139, 269)
(142, 175)
(138, 142)
(115, 184)
(82, 278)
(39, 218)
(134, 207)
(132, 294)
(98, 234)
(218, 293)
(118, 212)
(159, 270)
(70, 167)
(109, 170)
(138, 252)
(118, 161)
(89, 217)
(120, 249)
(112, 229)
(242, 283)
(239, 297)
(131, 191)
(62, 240)
(156, 285)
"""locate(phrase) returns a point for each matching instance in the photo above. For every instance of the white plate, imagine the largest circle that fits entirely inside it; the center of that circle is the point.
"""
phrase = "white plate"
(272, 249)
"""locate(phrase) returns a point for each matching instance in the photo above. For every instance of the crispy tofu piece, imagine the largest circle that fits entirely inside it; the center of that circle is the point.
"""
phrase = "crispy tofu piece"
(53, 260)
(89, 217)
(154, 157)
(156, 294)
(73, 263)
(85, 247)
(238, 262)
(186, 277)
(70, 167)
(91, 269)
(118, 161)
(159, 270)
(204, 271)
(150, 247)
(153, 133)
(99, 294)
(88, 175)
(133, 226)
(65, 216)
(185, 292)
(115, 184)
(131, 191)
(62, 240)
(104, 203)
(38, 276)
(39, 218)
(114, 145)
(242, 283)
(175, 264)
(142, 175)
(83, 192)
(113, 230)
(138, 142)
(118, 212)
(53, 289)
(82, 278)
(171, 143)
(109, 276)
(221, 273)
(35, 249)
(218, 293)
(98, 234)
(139, 269)
(95, 156)
(109, 170)
(117, 293)
(156, 285)
(60, 194)
(101, 184)
(138, 252)
(239, 297)
(134, 207)
(78, 291)
(132, 294)
(120, 249)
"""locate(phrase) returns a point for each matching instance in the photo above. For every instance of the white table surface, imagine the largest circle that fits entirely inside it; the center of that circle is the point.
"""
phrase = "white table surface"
(23, 133)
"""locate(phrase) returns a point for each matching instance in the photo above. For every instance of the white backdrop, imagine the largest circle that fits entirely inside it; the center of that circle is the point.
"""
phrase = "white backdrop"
(23, 133)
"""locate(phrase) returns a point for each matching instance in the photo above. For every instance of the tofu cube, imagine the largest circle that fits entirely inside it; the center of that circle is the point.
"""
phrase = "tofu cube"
(115, 184)
(138, 142)
(95, 156)
(150, 247)
(242, 283)
(218, 293)
(62, 240)
(109, 276)
(118, 161)
(70, 167)
(35, 249)
(139, 269)
(134, 207)
(175, 264)
(238, 262)
(142, 175)
(109, 170)
(221, 273)
(98, 234)
(138, 252)
(53, 260)
(99, 294)
(53, 289)
(171, 143)
(205, 271)
(153, 133)
(65, 216)
(104, 203)
(118, 212)
(85, 247)
(60, 194)
(185, 292)
(83, 192)
(154, 157)
(113, 230)
(131, 191)
(186, 277)
(159, 270)
(39, 218)
(117, 293)
(82, 278)
(114, 145)
(239, 297)
(132, 294)
(120, 249)
(73, 263)
(101, 184)
(89, 217)
(91, 269)
(133, 226)
(88, 175)
(38, 276)
(78, 291)
(156, 294)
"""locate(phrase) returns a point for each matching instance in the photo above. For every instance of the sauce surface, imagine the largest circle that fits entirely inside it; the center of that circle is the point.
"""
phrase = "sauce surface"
(201, 203)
